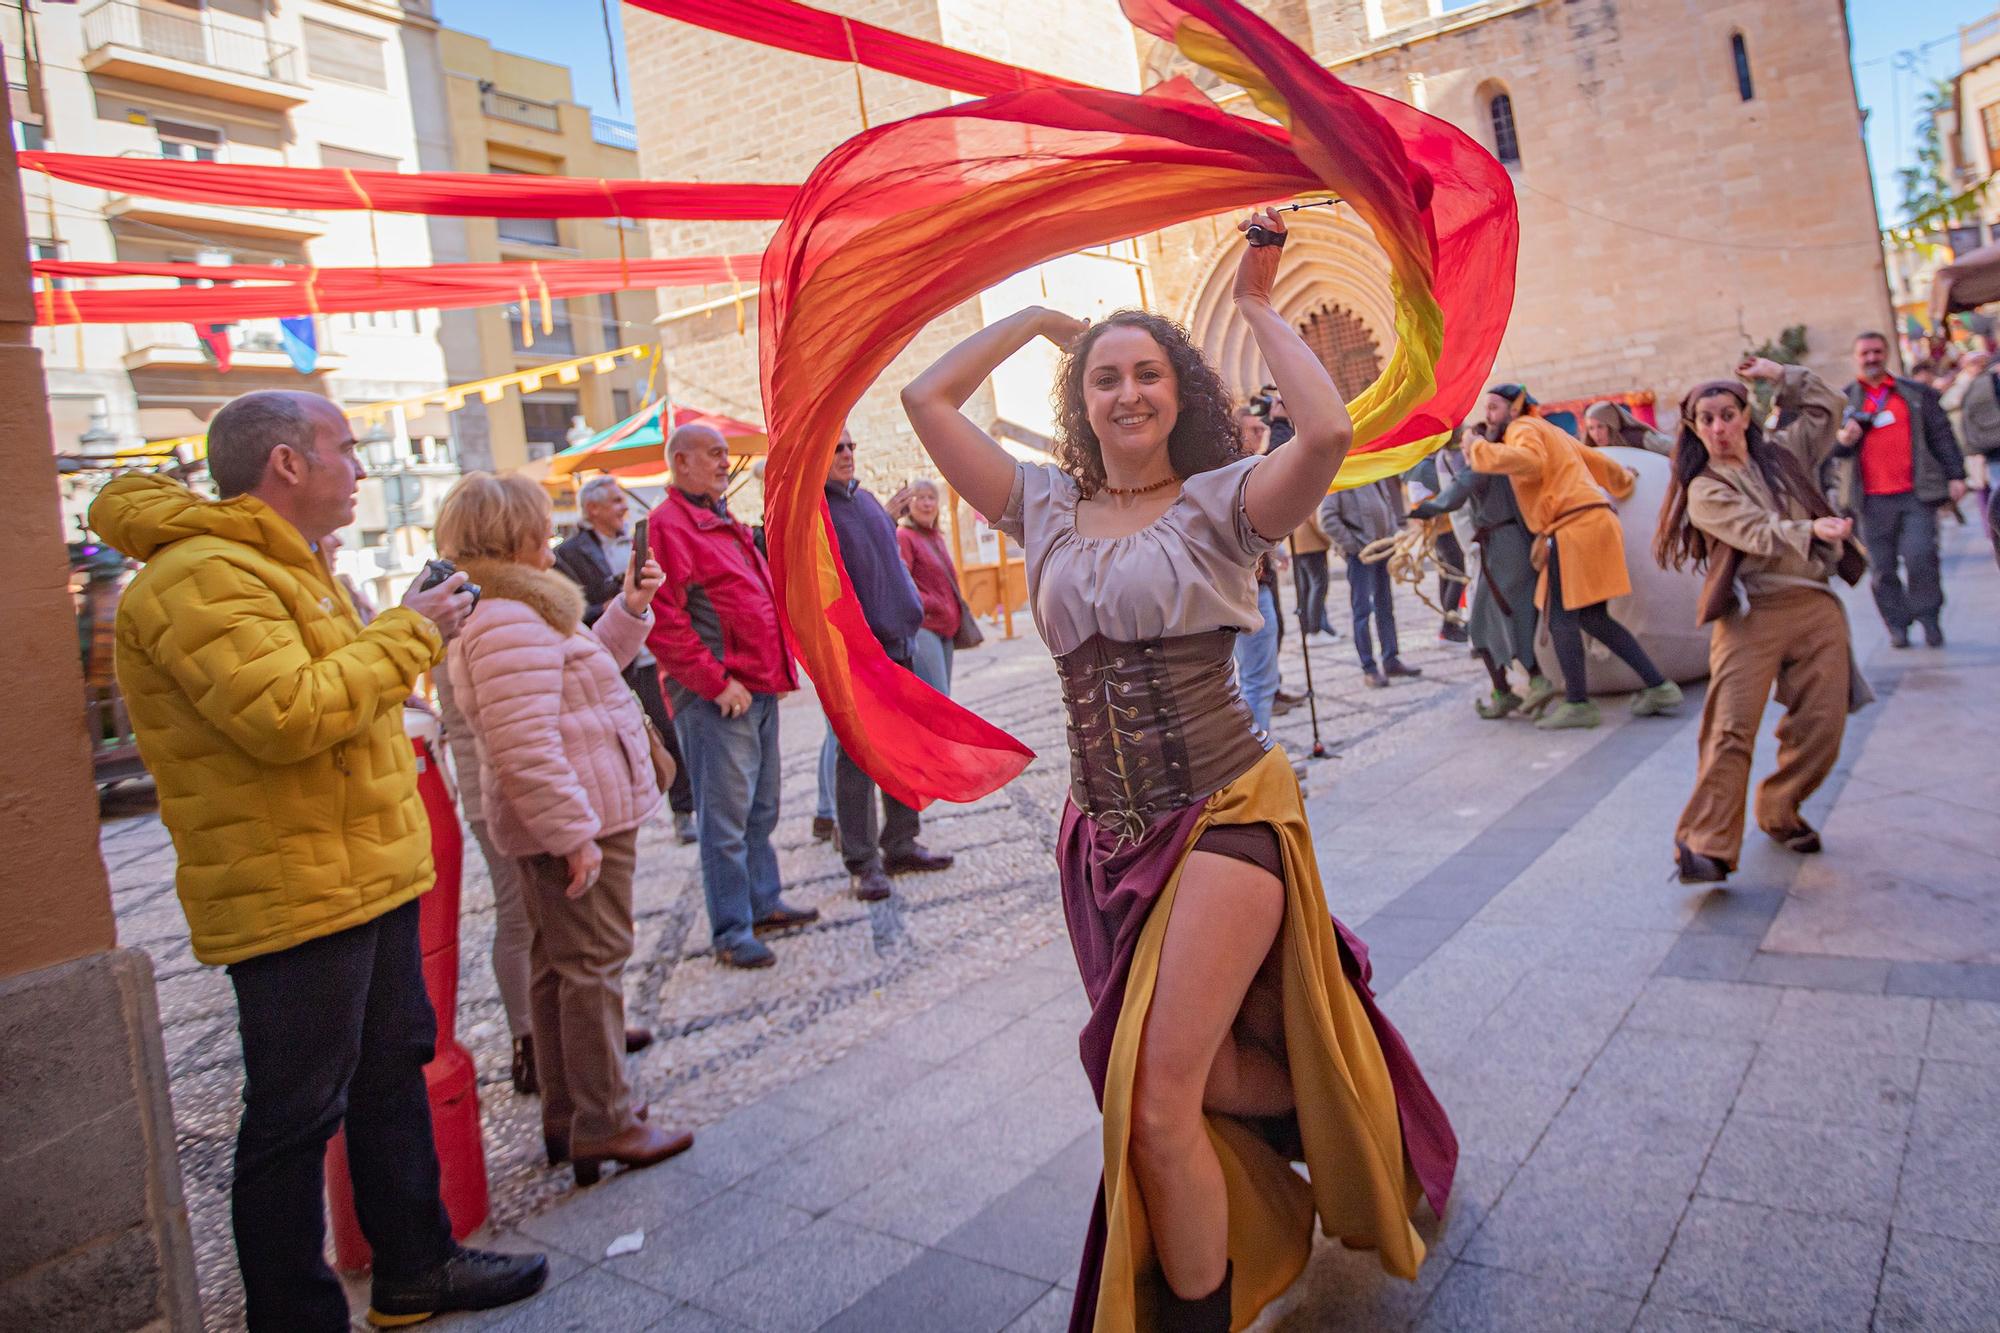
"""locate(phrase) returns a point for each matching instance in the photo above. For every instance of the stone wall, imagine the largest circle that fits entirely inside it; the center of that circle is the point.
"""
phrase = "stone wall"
(1667, 225)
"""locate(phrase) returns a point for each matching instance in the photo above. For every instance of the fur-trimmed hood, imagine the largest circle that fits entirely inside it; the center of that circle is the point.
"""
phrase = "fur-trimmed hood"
(548, 594)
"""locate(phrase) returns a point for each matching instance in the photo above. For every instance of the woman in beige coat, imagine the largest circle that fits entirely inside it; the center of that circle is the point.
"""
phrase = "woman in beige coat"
(1745, 505)
(567, 772)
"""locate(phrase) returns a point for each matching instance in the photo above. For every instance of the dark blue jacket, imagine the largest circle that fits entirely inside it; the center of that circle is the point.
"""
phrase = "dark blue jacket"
(867, 538)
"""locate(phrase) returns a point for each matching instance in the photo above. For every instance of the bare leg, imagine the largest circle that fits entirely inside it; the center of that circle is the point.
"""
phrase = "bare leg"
(1226, 914)
(1249, 1076)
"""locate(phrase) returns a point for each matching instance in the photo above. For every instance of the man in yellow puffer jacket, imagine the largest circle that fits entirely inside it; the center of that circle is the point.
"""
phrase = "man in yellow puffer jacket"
(272, 723)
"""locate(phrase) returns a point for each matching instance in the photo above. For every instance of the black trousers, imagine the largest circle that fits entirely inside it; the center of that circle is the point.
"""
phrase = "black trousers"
(1903, 530)
(862, 838)
(1566, 631)
(644, 678)
(1309, 580)
(338, 1028)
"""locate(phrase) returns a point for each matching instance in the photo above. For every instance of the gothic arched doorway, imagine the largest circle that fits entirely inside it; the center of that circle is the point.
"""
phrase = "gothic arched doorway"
(1344, 346)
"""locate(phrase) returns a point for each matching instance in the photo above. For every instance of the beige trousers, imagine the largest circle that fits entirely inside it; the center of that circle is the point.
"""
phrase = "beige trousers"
(577, 993)
(1795, 639)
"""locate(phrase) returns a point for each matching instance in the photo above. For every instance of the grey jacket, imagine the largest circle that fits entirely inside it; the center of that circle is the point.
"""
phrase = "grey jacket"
(1936, 458)
(1354, 518)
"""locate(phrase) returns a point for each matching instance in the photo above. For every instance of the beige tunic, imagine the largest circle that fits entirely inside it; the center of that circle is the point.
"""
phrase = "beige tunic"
(1188, 571)
(1732, 504)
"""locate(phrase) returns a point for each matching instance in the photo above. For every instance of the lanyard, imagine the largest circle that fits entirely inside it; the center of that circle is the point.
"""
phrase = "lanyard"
(1877, 398)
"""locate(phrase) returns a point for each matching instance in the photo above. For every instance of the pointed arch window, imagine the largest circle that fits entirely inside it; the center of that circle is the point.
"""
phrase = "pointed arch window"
(1506, 142)
(1741, 53)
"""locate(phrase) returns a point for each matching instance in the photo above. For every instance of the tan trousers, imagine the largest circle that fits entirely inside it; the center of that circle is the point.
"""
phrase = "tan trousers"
(1795, 638)
(577, 994)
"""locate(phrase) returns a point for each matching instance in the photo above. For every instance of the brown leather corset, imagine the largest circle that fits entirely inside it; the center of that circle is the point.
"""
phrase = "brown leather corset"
(1154, 726)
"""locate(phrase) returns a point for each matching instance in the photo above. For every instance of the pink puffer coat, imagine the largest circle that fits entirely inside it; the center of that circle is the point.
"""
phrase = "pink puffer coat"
(562, 744)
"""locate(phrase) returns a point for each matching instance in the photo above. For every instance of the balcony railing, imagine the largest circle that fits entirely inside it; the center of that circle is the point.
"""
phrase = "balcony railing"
(520, 110)
(195, 40)
(614, 133)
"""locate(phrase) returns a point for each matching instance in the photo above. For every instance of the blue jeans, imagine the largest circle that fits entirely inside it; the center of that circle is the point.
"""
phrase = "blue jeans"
(829, 759)
(1257, 661)
(733, 764)
(1368, 595)
(930, 659)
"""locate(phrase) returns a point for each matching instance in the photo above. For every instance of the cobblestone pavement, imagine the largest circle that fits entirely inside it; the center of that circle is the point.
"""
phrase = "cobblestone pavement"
(729, 1039)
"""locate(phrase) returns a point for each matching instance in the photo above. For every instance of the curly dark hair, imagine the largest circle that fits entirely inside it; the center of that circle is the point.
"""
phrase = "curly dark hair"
(1205, 435)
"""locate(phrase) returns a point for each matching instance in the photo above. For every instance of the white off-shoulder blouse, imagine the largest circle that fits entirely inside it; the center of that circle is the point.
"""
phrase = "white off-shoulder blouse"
(1187, 572)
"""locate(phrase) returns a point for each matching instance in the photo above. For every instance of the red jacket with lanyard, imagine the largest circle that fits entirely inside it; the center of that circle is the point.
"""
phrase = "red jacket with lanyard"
(715, 619)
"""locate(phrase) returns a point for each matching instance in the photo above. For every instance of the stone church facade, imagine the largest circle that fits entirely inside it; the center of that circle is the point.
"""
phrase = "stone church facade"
(1691, 181)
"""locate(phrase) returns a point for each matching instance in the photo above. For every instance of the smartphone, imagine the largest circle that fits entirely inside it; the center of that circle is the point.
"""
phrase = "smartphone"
(641, 547)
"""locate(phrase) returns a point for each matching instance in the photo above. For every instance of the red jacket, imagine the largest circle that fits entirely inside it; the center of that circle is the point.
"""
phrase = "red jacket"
(715, 618)
(930, 569)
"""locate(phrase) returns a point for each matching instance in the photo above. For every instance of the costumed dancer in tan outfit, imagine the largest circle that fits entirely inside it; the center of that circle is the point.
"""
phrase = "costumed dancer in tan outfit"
(1745, 504)
(1232, 1031)
(1579, 544)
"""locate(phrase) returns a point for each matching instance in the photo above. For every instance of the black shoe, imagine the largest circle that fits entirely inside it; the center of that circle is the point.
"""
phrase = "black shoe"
(683, 828)
(1376, 680)
(1899, 638)
(1933, 634)
(823, 829)
(1694, 868)
(785, 916)
(1394, 667)
(637, 1040)
(749, 953)
(468, 1280)
(917, 860)
(871, 885)
(1804, 839)
(1453, 634)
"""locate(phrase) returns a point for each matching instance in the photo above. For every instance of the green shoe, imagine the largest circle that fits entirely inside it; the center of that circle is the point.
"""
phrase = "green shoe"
(1540, 690)
(1497, 705)
(1662, 700)
(1567, 716)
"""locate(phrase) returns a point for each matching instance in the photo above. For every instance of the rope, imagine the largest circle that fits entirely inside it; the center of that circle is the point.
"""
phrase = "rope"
(1410, 554)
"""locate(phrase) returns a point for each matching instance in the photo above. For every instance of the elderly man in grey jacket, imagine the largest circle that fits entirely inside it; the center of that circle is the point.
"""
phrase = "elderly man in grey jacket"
(1353, 519)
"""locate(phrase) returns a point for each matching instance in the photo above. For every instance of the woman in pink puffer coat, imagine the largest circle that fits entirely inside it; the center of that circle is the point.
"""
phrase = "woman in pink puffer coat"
(566, 770)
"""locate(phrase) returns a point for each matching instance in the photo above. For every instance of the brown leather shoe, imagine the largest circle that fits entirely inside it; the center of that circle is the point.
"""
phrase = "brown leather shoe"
(637, 1146)
(555, 1142)
(637, 1039)
(523, 1070)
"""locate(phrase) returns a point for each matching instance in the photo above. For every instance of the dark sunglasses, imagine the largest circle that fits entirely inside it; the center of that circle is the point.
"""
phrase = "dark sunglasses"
(843, 447)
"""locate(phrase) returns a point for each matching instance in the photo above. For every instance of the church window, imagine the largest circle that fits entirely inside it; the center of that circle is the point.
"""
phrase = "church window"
(1344, 346)
(1744, 89)
(1506, 144)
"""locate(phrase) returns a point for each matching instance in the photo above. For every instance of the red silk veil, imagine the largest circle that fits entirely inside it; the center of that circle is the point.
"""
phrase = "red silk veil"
(903, 222)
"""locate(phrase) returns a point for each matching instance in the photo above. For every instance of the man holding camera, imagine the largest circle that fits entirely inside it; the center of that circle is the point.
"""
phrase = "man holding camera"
(271, 720)
(1907, 464)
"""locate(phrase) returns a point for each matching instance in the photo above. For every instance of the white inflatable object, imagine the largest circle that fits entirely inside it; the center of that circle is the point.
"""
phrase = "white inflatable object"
(1661, 609)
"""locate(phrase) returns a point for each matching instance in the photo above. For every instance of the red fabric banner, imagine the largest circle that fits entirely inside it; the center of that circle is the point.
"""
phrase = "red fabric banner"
(906, 221)
(277, 291)
(436, 193)
(791, 26)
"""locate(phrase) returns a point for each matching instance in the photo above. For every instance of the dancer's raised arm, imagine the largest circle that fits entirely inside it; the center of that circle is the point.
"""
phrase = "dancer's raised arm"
(1286, 488)
(977, 467)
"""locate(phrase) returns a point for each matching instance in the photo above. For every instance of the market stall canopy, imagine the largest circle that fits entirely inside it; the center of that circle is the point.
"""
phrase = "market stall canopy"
(638, 442)
(1967, 283)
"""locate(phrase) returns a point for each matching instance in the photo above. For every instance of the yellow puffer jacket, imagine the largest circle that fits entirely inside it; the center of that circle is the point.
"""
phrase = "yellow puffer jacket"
(270, 718)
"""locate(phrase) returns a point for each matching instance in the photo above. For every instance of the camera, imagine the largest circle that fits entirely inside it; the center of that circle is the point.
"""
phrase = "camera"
(1262, 401)
(437, 571)
(1865, 420)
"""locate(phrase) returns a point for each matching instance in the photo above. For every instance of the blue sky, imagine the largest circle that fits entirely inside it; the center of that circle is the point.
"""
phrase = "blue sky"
(1927, 29)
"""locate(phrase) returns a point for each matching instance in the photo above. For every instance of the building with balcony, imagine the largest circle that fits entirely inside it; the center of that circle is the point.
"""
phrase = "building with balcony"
(513, 115)
(303, 83)
(1969, 131)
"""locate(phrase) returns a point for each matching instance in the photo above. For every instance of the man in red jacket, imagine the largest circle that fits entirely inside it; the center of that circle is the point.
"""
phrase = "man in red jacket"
(724, 665)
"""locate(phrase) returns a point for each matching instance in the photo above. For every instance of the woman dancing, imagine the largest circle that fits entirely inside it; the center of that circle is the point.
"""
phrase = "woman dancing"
(1745, 505)
(1232, 1029)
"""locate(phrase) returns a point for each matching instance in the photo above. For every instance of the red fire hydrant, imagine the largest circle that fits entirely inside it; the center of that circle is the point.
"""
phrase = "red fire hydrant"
(453, 1082)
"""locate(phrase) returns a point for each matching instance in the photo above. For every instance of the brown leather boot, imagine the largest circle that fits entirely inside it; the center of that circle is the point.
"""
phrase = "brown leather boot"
(637, 1145)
